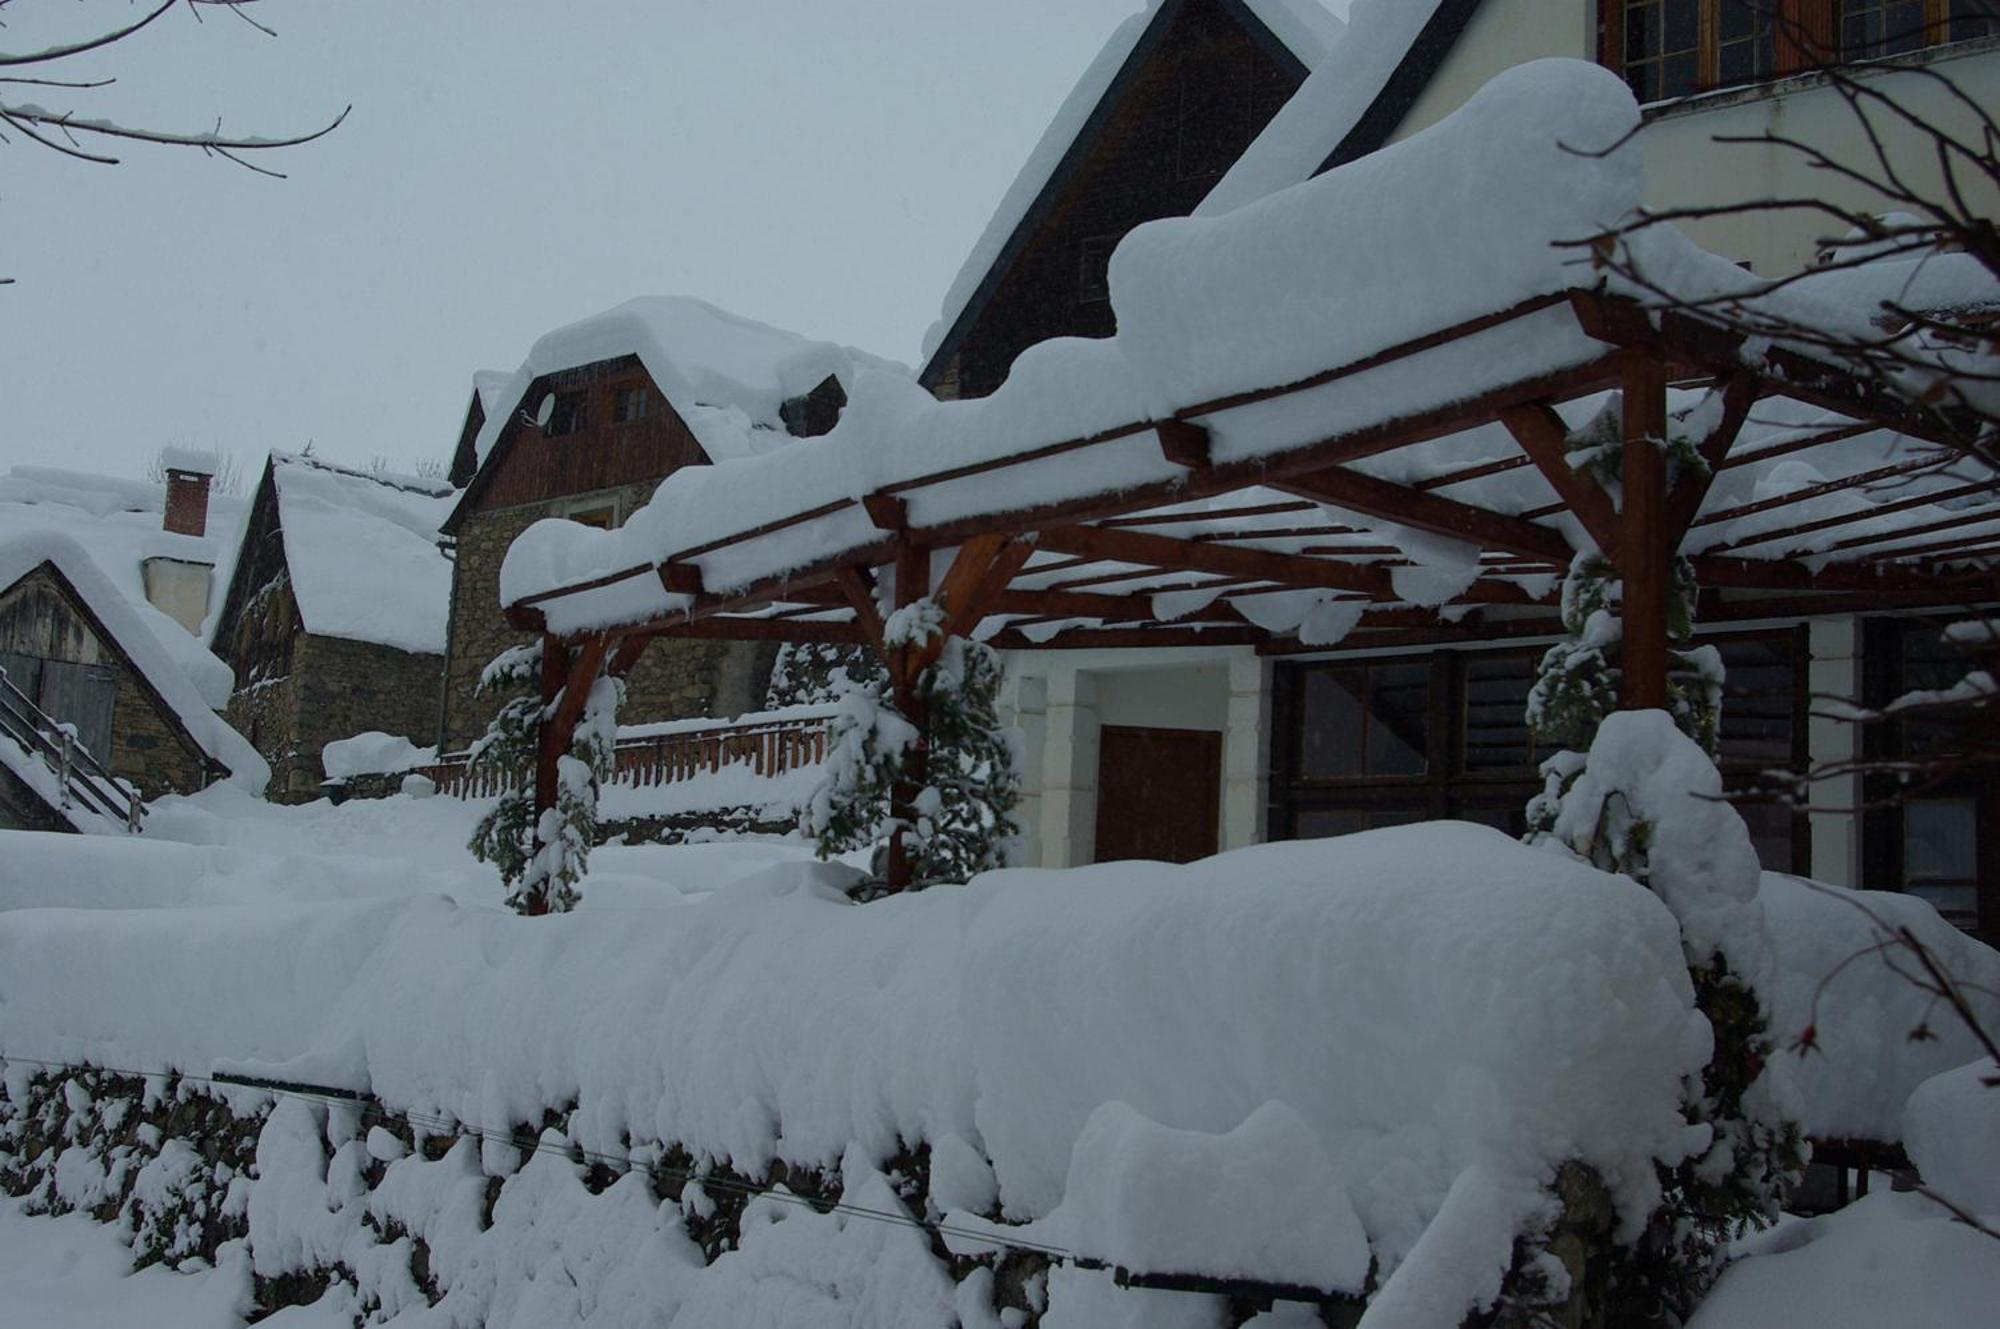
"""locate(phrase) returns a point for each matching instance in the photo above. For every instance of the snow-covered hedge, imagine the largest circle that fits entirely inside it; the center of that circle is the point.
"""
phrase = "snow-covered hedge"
(1429, 1002)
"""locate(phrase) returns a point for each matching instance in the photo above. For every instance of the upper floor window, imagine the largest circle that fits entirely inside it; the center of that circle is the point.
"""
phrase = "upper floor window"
(1672, 48)
(627, 405)
(1870, 29)
(566, 414)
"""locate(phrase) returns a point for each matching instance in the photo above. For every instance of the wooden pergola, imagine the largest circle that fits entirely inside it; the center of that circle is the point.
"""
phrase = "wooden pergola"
(1175, 524)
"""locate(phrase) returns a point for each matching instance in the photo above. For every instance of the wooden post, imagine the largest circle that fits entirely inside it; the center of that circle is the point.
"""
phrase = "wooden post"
(913, 583)
(548, 752)
(1644, 556)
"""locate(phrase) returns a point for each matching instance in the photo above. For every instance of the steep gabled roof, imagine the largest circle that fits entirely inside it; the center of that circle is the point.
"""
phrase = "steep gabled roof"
(1353, 101)
(361, 550)
(1298, 33)
(119, 622)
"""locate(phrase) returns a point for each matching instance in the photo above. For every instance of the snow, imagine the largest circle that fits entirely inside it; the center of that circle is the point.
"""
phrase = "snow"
(1887, 1259)
(190, 461)
(1864, 1064)
(142, 643)
(1327, 107)
(372, 753)
(724, 374)
(1306, 29)
(362, 552)
(32, 770)
(1416, 1019)
(118, 521)
(73, 1273)
(1951, 1130)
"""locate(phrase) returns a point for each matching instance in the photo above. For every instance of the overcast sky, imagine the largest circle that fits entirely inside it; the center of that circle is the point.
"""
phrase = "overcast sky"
(509, 165)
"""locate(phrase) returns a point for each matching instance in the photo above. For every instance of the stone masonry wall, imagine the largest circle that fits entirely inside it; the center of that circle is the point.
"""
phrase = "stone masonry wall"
(337, 689)
(674, 680)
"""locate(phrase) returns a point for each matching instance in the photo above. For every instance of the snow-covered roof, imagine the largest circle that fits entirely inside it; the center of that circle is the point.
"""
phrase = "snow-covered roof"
(118, 521)
(490, 386)
(1329, 106)
(362, 550)
(1304, 27)
(143, 643)
(725, 375)
(1245, 323)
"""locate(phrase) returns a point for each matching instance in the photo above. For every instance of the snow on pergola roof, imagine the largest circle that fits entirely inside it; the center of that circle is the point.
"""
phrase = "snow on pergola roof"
(1345, 404)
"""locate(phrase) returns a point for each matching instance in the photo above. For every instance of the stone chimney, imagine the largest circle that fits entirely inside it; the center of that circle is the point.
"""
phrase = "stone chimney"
(189, 475)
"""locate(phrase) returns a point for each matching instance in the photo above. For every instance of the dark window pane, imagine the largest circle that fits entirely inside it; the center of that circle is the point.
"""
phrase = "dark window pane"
(1331, 703)
(1941, 856)
(1759, 694)
(1642, 29)
(1683, 25)
(565, 414)
(1928, 664)
(1399, 719)
(1771, 826)
(1679, 74)
(1973, 18)
(629, 405)
(1496, 727)
(1318, 823)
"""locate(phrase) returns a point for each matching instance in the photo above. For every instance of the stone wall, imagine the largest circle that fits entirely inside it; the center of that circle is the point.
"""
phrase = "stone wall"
(674, 680)
(334, 689)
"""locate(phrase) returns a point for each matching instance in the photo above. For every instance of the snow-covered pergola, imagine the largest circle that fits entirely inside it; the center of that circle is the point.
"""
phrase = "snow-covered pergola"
(1352, 409)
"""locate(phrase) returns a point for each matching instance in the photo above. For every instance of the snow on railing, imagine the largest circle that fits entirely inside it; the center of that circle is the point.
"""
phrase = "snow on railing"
(81, 780)
(767, 743)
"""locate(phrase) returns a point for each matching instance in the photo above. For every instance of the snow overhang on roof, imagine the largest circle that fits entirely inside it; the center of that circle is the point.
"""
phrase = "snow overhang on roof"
(362, 551)
(1298, 451)
(149, 655)
(726, 376)
(1303, 29)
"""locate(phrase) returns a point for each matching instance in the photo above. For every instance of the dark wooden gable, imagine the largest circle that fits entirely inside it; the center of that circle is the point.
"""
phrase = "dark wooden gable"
(1203, 81)
(609, 425)
(260, 616)
(465, 457)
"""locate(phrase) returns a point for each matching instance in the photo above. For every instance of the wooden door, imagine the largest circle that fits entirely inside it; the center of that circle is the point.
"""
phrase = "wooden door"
(82, 695)
(1159, 794)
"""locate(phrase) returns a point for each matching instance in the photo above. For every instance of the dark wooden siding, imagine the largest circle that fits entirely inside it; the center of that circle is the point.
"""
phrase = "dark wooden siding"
(1208, 89)
(532, 467)
(260, 618)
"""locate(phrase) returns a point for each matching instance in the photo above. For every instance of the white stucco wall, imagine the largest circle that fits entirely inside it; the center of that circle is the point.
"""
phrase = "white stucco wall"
(1684, 164)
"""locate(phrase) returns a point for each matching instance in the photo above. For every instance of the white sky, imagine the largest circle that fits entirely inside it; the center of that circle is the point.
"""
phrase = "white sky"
(510, 165)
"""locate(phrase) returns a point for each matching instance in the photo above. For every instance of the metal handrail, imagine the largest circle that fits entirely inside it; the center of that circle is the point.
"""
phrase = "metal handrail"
(79, 774)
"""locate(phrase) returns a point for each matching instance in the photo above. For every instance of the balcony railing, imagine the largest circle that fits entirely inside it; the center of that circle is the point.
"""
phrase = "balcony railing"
(768, 743)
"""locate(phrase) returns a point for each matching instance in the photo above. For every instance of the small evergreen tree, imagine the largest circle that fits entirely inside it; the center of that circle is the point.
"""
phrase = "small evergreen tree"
(815, 673)
(1753, 1152)
(541, 880)
(963, 815)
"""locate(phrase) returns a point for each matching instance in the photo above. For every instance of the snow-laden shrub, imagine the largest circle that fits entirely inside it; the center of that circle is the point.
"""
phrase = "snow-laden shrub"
(542, 860)
(1647, 802)
(963, 813)
(808, 673)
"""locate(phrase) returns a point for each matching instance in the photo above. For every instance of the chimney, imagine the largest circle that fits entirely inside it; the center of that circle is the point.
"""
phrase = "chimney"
(189, 475)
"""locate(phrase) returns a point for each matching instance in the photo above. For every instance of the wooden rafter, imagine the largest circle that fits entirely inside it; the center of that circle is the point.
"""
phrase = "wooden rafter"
(1356, 492)
(1545, 439)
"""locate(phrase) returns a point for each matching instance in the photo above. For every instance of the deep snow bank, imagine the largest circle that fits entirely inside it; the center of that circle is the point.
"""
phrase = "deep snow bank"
(1425, 1000)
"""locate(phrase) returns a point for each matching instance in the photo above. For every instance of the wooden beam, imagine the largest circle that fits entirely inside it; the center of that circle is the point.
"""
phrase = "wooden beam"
(626, 656)
(1739, 393)
(1158, 551)
(1645, 556)
(888, 512)
(913, 583)
(1545, 438)
(1000, 573)
(1013, 639)
(857, 587)
(681, 579)
(1184, 443)
(1374, 497)
(1772, 574)
(1874, 511)
(722, 627)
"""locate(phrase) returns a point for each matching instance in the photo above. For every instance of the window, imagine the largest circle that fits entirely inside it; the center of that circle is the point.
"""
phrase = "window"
(1871, 29)
(1093, 269)
(1385, 742)
(627, 405)
(1670, 48)
(1938, 838)
(566, 414)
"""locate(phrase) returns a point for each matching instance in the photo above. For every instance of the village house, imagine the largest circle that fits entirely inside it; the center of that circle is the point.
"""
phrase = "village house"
(1178, 753)
(334, 619)
(598, 415)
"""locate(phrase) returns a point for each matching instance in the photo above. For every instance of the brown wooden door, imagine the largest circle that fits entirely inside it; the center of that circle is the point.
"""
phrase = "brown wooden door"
(1159, 793)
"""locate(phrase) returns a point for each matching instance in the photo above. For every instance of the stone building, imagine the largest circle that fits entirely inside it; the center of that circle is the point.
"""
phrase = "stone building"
(603, 411)
(334, 620)
(79, 656)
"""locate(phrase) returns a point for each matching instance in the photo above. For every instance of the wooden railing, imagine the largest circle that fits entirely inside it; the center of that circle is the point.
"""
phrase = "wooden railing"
(768, 744)
(81, 780)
